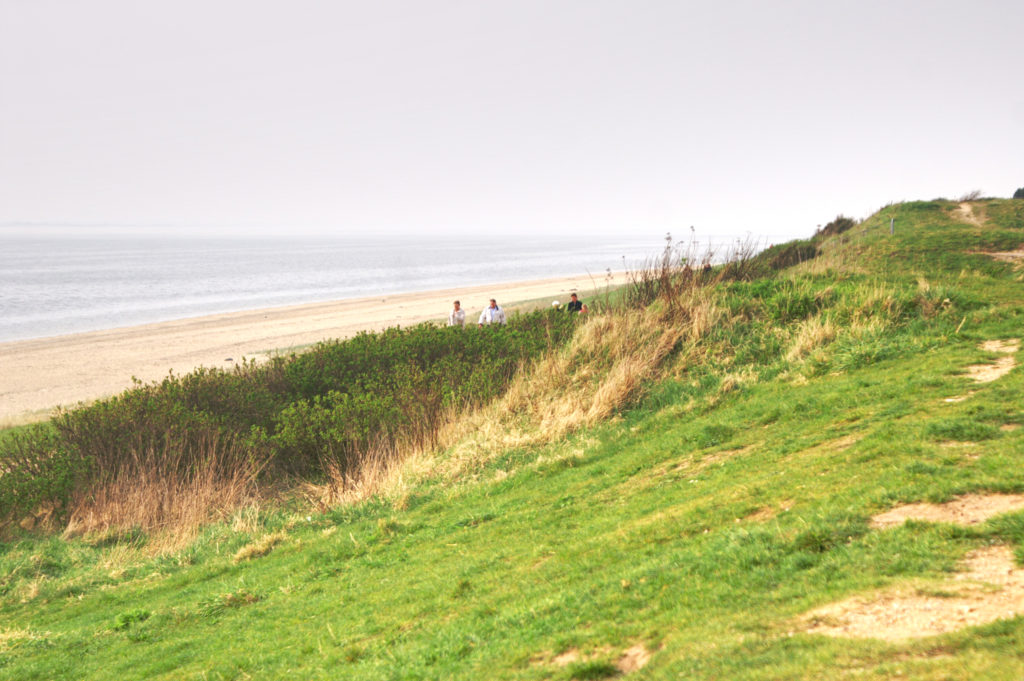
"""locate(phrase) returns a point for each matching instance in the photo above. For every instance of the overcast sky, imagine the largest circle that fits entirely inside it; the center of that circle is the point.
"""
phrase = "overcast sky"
(541, 117)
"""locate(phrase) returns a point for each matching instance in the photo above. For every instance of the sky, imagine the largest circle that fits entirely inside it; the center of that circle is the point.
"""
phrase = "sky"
(453, 117)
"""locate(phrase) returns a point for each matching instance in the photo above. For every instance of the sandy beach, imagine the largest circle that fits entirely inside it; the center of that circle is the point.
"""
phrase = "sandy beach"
(39, 375)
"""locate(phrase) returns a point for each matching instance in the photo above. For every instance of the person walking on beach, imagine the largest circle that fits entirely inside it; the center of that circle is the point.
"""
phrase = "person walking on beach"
(492, 314)
(457, 317)
(575, 305)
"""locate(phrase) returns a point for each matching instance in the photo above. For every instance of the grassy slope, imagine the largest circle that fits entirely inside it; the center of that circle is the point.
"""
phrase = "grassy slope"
(700, 524)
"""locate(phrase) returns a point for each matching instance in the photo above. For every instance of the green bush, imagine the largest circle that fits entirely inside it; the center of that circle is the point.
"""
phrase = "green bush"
(838, 226)
(781, 256)
(37, 472)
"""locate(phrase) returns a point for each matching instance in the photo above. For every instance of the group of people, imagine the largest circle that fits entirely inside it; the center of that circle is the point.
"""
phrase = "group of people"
(493, 314)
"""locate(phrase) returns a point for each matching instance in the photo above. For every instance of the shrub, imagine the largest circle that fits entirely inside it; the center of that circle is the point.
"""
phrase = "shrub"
(781, 256)
(1019, 194)
(38, 472)
(838, 226)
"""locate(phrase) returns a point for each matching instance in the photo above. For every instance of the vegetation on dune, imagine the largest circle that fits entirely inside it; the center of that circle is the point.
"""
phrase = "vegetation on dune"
(190, 447)
(664, 489)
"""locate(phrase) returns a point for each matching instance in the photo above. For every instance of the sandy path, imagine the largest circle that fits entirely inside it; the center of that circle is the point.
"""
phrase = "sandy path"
(965, 213)
(38, 375)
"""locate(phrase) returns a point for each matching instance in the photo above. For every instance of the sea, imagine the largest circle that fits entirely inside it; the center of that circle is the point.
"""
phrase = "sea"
(54, 285)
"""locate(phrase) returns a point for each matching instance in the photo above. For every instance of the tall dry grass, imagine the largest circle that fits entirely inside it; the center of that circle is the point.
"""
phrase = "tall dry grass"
(168, 498)
(809, 335)
(380, 472)
(609, 363)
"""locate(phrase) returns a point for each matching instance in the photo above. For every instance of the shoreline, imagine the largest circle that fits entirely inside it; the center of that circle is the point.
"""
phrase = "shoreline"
(43, 373)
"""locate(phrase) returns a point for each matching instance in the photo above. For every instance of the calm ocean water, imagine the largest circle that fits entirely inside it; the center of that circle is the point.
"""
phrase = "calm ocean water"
(52, 285)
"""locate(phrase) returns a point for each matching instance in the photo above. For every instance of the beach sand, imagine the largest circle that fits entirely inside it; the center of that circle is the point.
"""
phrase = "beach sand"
(36, 376)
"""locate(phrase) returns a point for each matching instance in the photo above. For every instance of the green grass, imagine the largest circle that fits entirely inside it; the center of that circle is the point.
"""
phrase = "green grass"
(701, 523)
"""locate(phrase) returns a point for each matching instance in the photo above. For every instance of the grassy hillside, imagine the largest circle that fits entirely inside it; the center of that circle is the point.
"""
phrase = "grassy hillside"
(670, 494)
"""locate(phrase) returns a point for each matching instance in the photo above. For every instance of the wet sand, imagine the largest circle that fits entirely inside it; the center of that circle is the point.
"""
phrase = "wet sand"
(38, 375)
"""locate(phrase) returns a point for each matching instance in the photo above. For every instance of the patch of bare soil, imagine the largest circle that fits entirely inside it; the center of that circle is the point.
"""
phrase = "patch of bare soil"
(633, 659)
(986, 373)
(1009, 345)
(990, 588)
(566, 658)
(970, 509)
(1008, 256)
(766, 513)
(761, 515)
(965, 213)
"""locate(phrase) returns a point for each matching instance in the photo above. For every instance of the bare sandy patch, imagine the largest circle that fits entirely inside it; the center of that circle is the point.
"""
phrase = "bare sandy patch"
(766, 513)
(763, 514)
(1008, 256)
(566, 658)
(956, 444)
(986, 373)
(842, 443)
(965, 213)
(633, 659)
(1010, 345)
(1009, 427)
(718, 457)
(970, 509)
(990, 588)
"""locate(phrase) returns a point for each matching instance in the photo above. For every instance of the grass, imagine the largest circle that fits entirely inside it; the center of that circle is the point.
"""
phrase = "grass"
(730, 497)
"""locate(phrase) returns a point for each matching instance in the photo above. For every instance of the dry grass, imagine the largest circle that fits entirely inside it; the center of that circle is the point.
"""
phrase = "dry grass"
(810, 334)
(25, 419)
(382, 472)
(260, 547)
(170, 505)
(10, 638)
(608, 363)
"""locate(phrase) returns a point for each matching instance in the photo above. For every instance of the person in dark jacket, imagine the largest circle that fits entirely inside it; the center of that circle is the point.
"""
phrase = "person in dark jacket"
(575, 305)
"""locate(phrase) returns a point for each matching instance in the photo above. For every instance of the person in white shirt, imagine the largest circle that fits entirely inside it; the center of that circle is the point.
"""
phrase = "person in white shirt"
(492, 315)
(457, 317)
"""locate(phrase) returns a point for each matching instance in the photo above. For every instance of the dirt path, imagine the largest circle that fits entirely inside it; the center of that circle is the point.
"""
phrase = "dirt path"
(986, 373)
(965, 213)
